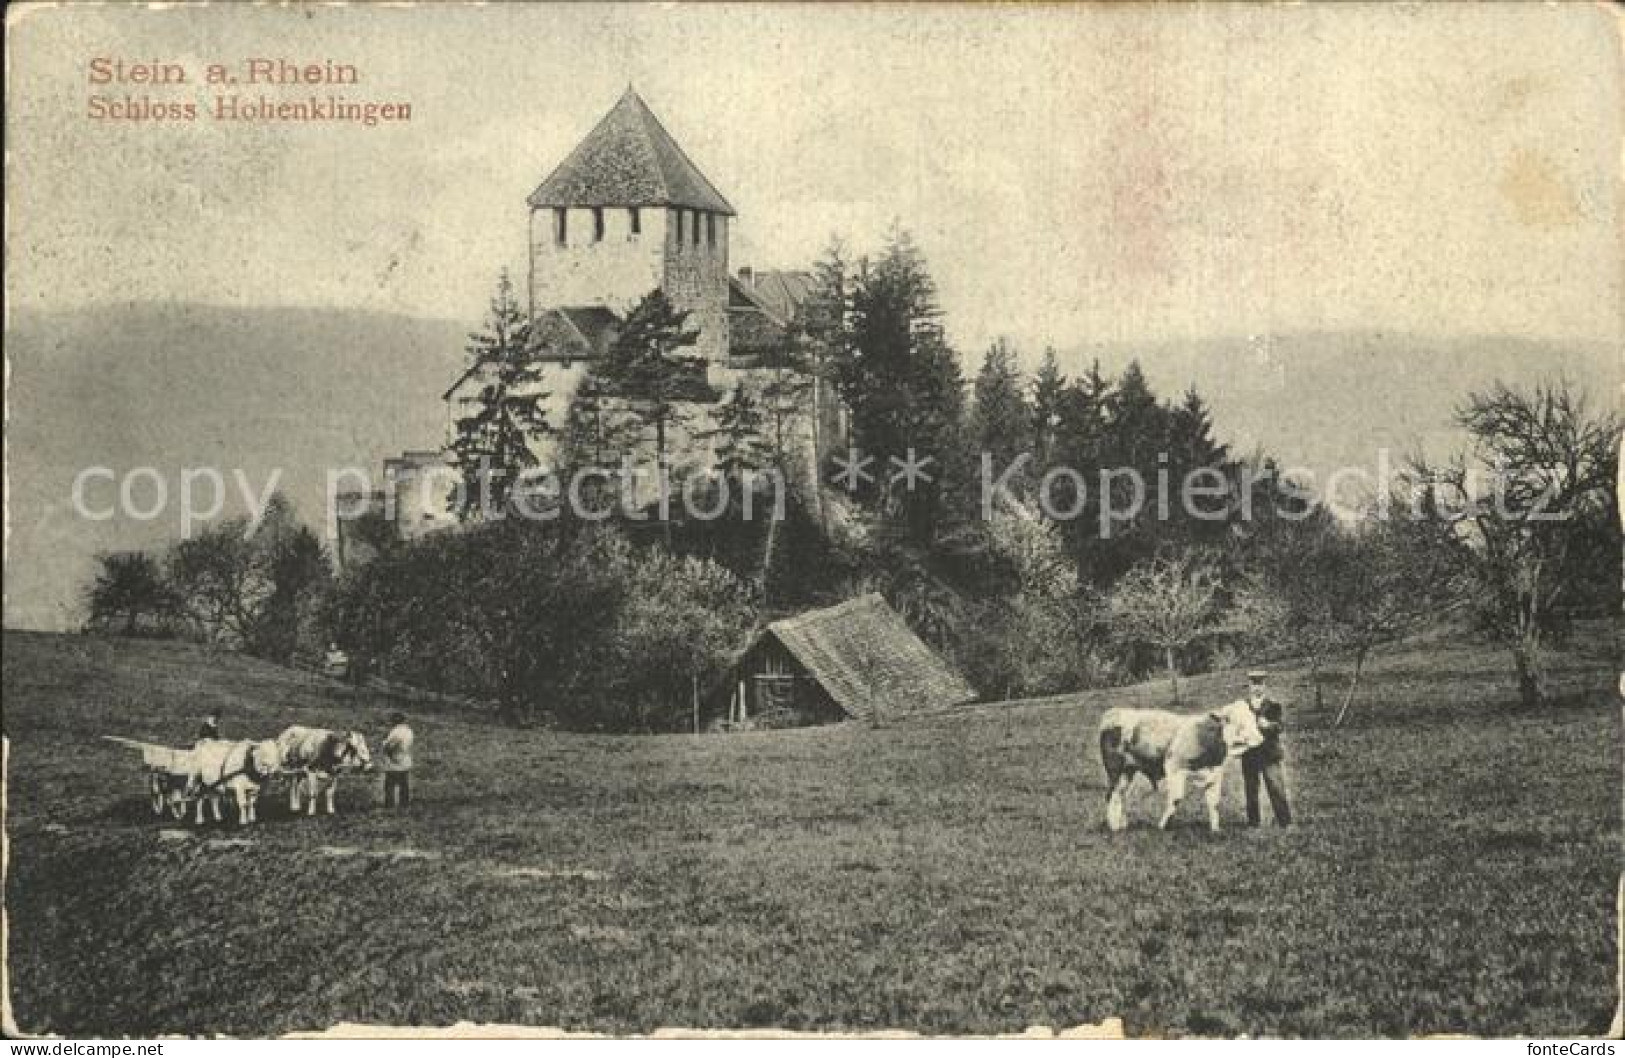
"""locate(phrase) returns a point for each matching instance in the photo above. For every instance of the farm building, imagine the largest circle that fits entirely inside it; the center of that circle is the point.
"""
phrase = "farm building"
(857, 660)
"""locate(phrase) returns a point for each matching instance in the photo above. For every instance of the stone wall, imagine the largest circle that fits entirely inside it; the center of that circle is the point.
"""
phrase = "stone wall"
(417, 492)
(615, 270)
(696, 276)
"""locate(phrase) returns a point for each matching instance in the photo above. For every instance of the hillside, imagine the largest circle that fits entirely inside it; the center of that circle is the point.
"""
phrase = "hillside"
(1454, 868)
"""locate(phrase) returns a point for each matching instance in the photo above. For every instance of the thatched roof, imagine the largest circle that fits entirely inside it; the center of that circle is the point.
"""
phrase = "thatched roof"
(629, 159)
(864, 655)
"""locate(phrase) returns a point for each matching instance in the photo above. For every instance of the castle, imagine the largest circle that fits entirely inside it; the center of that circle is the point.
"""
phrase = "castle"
(624, 213)
(627, 212)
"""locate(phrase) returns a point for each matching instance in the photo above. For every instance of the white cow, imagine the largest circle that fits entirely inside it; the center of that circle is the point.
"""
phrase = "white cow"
(1182, 749)
(319, 756)
(238, 767)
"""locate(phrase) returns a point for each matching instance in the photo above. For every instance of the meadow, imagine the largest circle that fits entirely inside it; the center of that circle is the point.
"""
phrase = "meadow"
(1455, 868)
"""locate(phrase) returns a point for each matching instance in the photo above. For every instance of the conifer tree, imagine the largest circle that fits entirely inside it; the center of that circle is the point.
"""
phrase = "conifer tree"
(505, 416)
(647, 368)
(1001, 419)
(1048, 385)
(740, 453)
(737, 438)
(901, 379)
(785, 394)
(1135, 421)
(596, 430)
(825, 330)
(829, 303)
(1078, 449)
(1192, 454)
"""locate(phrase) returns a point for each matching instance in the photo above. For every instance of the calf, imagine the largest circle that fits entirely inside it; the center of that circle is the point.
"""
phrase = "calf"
(1182, 749)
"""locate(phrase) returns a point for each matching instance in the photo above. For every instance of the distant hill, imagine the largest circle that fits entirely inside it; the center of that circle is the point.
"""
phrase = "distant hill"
(183, 385)
(1326, 400)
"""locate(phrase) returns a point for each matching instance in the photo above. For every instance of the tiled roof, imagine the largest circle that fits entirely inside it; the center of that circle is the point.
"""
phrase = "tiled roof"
(782, 292)
(468, 373)
(761, 308)
(753, 328)
(864, 655)
(629, 159)
(742, 297)
(574, 332)
(593, 321)
(753, 334)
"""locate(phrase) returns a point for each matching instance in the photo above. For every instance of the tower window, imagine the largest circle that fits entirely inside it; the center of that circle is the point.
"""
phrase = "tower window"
(598, 224)
(561, 225)
(680, 215)
(710, 229)
(637, 220)
(696, 227)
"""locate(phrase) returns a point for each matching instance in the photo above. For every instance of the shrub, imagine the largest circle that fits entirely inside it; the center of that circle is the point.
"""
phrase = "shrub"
(552, 620)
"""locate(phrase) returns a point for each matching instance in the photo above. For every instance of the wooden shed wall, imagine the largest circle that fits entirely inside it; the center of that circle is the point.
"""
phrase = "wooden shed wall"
(776, 691)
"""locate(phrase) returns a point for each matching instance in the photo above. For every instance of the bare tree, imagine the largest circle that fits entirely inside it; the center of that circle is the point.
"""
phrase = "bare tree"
(1283, 603)
(1346, 591)
(219, 584)
(254, 587)
(1533, 503)
(1167, 603)
(1397, 578)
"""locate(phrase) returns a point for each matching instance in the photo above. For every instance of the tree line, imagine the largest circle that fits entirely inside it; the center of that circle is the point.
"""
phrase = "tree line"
(624, 624)
(258, 586)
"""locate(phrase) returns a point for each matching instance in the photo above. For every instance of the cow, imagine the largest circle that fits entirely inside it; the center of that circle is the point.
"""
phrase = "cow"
(169, 792)
(169, 774)
(319, 755)
(240, 767)
(1183, 749)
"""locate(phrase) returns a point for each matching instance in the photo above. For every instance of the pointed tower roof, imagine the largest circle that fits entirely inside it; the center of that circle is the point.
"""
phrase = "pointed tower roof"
(629, 159)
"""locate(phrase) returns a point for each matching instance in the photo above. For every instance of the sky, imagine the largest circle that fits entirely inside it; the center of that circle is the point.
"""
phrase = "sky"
(1073, 173)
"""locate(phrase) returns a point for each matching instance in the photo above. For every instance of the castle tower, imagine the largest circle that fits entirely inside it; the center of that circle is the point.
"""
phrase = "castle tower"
(627, 212)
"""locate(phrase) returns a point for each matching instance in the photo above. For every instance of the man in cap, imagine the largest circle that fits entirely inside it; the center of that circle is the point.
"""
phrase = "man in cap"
(209, 730)
(1265, 761)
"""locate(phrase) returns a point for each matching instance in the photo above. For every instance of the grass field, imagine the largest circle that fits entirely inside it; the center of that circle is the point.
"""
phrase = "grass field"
(1455, 869)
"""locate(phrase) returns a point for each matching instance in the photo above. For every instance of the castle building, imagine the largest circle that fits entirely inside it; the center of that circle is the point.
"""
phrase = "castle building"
(625, 213)
(628, 212)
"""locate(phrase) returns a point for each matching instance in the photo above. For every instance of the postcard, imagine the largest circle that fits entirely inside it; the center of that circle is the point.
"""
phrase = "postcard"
(921, 520)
